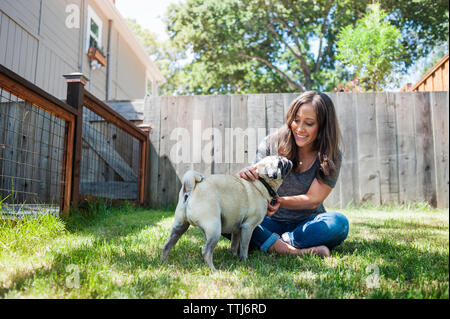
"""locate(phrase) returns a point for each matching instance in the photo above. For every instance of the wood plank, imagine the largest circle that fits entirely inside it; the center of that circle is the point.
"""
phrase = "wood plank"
(425, 168)
(68, 158)
(256, 118)
(107, 130)
(440, 126)
(16, 44)
(346, 114)
(3, 124)
(288, 99)
(44, 157)
(166, 174)
(142, 172)
(28, 133)
(38, 126)
(176, 169)
(201, 149)
(152, 115)
(48, 58)
(181, 134)
(404, 107)
(53, 171)
(368, 174)
(11, 149)
(333, 200)
(17, 171)
(110, 189)
(102, 109)
(3, 37)
(387, 148)
(29, 59)
(274, 111)
(21, 54)
(10, 50)
(96, 140)
(222, 125)
(243, 140)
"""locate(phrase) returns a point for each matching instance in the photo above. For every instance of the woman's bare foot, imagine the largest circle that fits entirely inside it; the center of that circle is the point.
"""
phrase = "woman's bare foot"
(283, 248)
(321, 251)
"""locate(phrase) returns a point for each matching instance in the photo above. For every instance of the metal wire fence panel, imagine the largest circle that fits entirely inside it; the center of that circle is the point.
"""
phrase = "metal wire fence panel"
(109, 159)
(31, 158)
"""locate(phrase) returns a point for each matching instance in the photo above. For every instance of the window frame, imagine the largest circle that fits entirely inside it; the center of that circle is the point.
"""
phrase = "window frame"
(94, 16)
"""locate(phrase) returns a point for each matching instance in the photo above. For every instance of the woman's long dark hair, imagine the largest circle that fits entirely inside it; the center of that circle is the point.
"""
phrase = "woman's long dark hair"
(328, 139)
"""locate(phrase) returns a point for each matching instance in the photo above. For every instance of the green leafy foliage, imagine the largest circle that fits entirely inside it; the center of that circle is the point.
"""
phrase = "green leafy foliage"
(261, 46)
(248, 46)
(372, 48)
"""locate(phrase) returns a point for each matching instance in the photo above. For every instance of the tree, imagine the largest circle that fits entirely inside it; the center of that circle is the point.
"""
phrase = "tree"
(248, 46)
(165, 55)
(372, 47)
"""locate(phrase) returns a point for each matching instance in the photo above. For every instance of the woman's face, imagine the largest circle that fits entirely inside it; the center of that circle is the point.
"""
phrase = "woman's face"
(305, 126)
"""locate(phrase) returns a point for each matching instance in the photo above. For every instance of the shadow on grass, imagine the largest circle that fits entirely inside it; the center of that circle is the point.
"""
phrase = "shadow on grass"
(115, 221)
(398, 224)
(95, 276)
(110, 252)
(107, 226)
(398, 259)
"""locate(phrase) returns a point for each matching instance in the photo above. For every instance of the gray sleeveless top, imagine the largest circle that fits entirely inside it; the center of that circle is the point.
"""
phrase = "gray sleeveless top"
(295, 184)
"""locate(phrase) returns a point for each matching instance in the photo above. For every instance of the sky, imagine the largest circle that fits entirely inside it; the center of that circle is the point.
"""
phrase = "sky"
(148, 13)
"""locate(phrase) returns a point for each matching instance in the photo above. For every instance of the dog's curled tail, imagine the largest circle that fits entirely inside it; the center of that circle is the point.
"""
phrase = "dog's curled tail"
(190, 180)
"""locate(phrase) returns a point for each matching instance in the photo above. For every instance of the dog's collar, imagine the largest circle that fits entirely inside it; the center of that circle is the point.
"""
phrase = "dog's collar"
(270, 190)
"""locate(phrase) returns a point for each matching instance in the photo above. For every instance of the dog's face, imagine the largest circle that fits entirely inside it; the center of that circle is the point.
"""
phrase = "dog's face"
(274, 167)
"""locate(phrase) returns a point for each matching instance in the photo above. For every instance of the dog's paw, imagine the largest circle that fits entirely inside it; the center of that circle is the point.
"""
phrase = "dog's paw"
(243, 258)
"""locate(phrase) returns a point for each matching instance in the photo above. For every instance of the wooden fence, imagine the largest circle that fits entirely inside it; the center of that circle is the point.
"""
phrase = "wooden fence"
(436, 79)
(53, 154)
(395, 144)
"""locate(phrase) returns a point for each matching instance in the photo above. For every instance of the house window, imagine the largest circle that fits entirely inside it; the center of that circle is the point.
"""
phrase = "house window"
(94, 30)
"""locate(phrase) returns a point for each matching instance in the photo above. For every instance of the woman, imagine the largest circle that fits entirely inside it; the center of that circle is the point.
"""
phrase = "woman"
(298, 223)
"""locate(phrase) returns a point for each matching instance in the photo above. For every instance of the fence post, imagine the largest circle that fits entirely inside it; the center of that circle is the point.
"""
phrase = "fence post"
(144, 177)
(75, 98)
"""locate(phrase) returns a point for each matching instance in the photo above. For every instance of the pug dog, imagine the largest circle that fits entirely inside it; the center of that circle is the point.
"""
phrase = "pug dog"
(226, 204)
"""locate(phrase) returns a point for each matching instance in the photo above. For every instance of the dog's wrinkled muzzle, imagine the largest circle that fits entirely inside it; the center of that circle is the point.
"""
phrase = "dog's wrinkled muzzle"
(284, 165)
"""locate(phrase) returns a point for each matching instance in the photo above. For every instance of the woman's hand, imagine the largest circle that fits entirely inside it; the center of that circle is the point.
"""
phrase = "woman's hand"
(248, 173)
(273, 209)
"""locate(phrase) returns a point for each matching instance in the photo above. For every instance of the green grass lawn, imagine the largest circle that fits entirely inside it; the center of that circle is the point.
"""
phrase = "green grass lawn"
(391, 252)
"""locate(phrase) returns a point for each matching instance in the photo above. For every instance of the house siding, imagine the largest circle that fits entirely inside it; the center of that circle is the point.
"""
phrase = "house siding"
(21, 55)
(36, 43)
(58, 47)
(40, 54)
(130, 75)
(24, 12)
(127, 74)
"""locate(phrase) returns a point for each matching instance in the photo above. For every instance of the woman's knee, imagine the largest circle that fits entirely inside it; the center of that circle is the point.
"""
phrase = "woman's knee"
(334, 220)
(337, 226)
(340, 228)
(341, 221)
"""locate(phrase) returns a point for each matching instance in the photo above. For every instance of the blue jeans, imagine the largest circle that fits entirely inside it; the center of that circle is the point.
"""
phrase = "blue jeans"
(329, 229)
